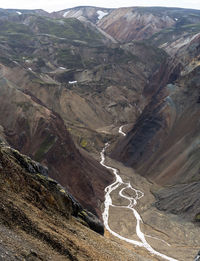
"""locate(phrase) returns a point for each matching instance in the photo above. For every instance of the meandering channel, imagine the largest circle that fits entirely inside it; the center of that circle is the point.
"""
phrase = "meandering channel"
(132, 203)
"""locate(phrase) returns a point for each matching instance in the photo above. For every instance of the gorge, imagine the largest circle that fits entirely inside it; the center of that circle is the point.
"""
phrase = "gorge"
(74, 80)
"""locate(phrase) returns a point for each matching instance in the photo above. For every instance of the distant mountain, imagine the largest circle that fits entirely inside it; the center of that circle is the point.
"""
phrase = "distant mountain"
(12, 12)
(84, 13)
(133, 23)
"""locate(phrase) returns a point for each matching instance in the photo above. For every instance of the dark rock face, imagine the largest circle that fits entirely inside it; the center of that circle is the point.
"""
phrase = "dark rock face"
(30, 165)
(180, 200)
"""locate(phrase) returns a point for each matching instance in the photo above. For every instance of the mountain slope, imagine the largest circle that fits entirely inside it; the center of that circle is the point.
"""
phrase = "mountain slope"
(83, 13)
(35, 130)
(164, 144)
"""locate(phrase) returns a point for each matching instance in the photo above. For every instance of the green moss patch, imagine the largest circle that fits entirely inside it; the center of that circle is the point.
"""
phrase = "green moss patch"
(197, 217)
(44, 147)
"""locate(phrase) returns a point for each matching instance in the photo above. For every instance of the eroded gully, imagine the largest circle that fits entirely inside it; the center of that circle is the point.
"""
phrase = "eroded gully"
(131, 206)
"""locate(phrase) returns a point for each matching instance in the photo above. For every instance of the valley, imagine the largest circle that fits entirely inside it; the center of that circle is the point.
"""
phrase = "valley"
(105, 104)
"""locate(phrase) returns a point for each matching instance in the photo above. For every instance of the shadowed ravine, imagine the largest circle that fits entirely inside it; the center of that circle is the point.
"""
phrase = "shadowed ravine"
(132, 202)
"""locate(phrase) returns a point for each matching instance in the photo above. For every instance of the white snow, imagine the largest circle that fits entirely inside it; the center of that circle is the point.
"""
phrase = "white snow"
(19, 13)
(72, 82)
(101, 14)
(62, 68)
(176, 19)
(30, 69)
(65, 14)
(121, 131)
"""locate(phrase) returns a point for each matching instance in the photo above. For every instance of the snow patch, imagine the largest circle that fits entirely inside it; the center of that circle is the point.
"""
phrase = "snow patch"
(19, 13)
(65, 14)
(30, 69)
(101, 14)
(62, 68)
(176, 19)
(72, 82)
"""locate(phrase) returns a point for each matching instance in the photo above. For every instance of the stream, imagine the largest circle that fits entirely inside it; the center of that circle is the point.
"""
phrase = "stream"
(132, 203)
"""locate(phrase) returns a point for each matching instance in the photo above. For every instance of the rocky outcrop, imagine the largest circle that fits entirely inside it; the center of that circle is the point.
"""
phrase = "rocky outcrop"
(36, 176)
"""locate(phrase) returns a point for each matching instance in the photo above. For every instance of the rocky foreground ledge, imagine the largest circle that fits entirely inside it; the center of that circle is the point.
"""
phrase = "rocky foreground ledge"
(29, 180)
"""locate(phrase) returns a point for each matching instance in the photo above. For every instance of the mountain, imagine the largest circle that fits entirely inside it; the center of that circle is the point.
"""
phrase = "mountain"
(163, 144)
(134, 23)
(31, 125)
(48, 67)
(68, 81)
(84, 13)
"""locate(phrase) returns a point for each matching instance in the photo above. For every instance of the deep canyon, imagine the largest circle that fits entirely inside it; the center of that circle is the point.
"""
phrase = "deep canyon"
(72, 81)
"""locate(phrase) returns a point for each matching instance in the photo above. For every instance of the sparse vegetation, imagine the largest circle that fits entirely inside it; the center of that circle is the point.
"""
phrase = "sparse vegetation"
(197, 217)
(24, 105)
(44, 147)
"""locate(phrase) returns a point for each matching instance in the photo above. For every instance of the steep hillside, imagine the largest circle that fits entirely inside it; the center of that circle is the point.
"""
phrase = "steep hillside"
(138, 23)
(33, 129)
(164, 143)
(28, 100)
(40, 220)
